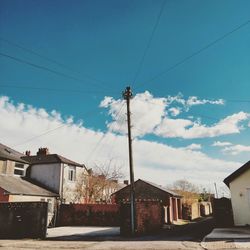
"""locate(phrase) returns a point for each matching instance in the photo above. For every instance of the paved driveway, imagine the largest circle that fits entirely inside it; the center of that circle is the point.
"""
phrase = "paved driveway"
(108, 238)
(83, 233)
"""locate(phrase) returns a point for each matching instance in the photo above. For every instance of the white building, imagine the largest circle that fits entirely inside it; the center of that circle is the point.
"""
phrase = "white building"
(239, 185)
(58, 174)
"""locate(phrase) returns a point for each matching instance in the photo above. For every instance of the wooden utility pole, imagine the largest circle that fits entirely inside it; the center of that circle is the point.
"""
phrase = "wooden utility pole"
(216, 190)
(127, 95)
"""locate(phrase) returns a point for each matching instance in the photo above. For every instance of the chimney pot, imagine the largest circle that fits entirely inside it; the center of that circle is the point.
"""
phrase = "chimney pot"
(27, 152)
(125, 182)
(43, 151)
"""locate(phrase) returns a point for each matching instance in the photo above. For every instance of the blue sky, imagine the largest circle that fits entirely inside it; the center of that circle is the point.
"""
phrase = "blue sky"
(101, 44)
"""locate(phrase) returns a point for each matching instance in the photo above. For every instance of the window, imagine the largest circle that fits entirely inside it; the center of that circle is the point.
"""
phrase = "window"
(50, 208)
(19, 169)
(72, 173)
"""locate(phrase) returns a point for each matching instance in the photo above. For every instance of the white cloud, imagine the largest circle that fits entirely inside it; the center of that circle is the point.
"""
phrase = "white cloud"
(229, 148)
(187, 129)
(106, 102)
(174, 111)
(149, 116)
(193, 146)
(146, 111)
(153, 161)
(194, 100)
(236, 149)
(221, 144)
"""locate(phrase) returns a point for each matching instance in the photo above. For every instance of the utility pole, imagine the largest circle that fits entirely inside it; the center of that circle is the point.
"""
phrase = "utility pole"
(127, 95)
(215, 187)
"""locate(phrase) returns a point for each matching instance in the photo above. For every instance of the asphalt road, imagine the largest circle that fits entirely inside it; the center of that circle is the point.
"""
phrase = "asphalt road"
(96, 238)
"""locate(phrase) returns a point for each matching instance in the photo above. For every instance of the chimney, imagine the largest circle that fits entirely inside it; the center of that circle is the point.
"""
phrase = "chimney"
(42, 151)
(27, 152)
(90, 171)
(125, 182)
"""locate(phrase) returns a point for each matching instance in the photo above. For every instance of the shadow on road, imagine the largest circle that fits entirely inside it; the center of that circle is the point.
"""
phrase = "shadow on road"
(194, 231)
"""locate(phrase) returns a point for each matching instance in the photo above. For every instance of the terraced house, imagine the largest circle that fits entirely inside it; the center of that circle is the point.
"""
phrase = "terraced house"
(60, 175)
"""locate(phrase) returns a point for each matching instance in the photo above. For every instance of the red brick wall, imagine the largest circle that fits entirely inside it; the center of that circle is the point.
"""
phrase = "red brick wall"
(89, 215)
(149, 217)
(3, 197)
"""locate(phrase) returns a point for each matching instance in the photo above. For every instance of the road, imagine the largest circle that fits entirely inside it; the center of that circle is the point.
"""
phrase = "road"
(90, 238)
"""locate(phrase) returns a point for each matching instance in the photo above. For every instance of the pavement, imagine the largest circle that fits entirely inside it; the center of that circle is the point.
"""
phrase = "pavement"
(98, 245)
(227, 238)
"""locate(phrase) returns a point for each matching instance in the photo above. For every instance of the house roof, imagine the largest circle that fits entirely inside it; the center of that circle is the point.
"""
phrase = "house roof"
(154, 185)
(161, 188)
(21, 186)
(7, 153)
(237, 173)
(49, 158)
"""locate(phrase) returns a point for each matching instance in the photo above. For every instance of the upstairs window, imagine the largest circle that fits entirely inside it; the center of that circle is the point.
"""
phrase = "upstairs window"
(72, 173)
(19, 169)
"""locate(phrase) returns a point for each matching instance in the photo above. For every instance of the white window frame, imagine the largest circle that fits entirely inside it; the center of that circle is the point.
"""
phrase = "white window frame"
(72, 173)
(19, 168)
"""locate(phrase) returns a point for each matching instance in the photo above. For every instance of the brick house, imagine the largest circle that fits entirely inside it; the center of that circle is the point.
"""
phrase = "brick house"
(62, 176)
(148, 191)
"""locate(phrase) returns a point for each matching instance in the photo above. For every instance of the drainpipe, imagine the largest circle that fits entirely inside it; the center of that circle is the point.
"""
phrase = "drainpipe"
(61, 182)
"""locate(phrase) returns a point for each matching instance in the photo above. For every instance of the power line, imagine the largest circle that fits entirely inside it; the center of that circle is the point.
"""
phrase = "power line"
(112, 148)
(91, 112)
(48, 59)
(238, 100)
(79, 91)
(196, 53)
(39, 66)
(105, 134)
(101, 139)
(191, 112)
(149, 42)
(37, 136)
(42, 67)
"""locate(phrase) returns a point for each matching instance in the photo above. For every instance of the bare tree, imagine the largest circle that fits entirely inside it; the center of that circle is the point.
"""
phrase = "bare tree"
(101, 182)
(188, 190)
(81, 192)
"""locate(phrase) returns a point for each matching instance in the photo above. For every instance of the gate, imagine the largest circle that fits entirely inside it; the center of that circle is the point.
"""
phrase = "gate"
(23, 219)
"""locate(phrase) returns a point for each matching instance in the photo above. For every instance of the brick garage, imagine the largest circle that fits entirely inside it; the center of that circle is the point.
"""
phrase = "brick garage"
(144, 190)
(149, 217)
(89, 215)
